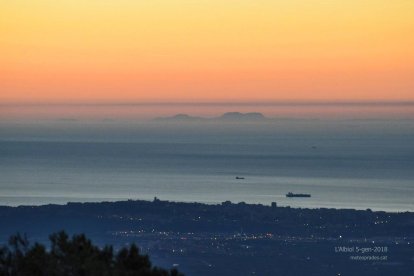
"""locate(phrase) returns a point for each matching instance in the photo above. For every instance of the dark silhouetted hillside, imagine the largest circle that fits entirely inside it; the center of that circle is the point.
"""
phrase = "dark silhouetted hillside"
(74, 256)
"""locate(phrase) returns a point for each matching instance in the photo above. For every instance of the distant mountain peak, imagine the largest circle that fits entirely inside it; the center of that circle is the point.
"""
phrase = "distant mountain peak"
(250, 116)
(228, 116)
(180, 117)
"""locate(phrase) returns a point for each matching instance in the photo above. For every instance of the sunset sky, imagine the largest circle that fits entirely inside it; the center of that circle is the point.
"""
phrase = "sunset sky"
(206, 50)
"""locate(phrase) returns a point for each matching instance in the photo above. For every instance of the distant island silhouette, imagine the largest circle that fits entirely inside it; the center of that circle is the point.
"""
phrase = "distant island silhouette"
(226, 117)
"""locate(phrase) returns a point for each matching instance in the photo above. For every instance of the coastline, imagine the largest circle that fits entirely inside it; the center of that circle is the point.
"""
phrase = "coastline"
(63, 201)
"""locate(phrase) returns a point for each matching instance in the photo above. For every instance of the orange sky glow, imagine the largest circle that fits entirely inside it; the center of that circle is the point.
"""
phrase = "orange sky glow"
(206, 50)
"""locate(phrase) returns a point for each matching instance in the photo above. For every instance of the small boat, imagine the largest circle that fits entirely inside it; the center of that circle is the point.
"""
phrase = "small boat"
(290, 194)
(239, 177)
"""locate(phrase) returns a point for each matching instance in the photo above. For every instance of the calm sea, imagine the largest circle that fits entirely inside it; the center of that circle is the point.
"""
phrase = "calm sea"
(343, 165)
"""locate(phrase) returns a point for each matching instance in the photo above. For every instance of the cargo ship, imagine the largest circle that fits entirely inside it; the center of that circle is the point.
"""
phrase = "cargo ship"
(297, 195)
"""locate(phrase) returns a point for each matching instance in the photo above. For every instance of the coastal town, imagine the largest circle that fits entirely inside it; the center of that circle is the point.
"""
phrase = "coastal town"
(249, 239)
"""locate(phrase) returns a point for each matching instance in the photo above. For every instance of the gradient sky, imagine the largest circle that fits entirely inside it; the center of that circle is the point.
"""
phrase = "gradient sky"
(206, 50)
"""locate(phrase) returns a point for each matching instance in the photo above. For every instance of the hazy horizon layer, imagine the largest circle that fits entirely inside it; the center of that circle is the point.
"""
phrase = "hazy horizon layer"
(146, 111)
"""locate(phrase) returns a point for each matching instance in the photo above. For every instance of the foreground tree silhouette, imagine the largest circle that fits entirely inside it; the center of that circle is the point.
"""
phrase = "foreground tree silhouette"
(75, 256)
